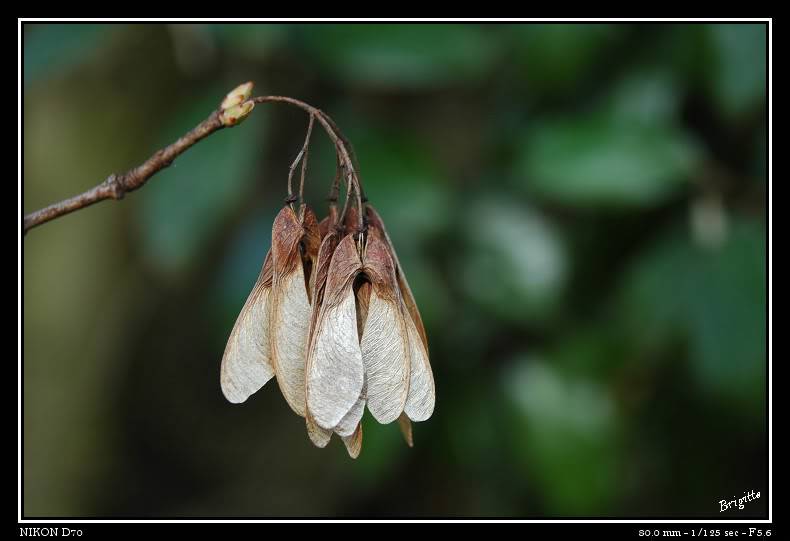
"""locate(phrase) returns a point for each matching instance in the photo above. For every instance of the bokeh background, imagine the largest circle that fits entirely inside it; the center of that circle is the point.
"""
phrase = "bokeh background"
(580, 209)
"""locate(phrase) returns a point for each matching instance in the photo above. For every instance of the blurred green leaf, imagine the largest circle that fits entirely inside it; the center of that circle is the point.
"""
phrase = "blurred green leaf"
(402, 56)
(185, 204)
(593, 352)
(555, 58)
(474, 424)
(516, 265)
(240, 268)
(646, 97)
(55, 48)
(565, 426)
(759, 160)
(602, 160)
(402, 181)
(739, 58)
(713, 298)
(255, 40)
(382, 448)
(427, 285)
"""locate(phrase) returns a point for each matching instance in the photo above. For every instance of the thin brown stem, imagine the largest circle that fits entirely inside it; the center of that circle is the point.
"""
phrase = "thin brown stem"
(306, 154)
(116, 186)
(329, 126)
(361, 213)
(349, 193)
(291, 170)
(334, 191)
(299, 157)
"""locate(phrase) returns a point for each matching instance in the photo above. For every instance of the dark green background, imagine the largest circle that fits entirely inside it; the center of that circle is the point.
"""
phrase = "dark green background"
(580, 209)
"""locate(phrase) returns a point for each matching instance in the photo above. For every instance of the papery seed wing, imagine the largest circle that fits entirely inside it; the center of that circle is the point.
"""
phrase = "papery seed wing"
(289, 322)
(411, 307)
(348, 424)
(385, 356)
(363, 304)
(324, 226)
(385, 346)
(290, 305)
(351, 220)
(408, 298)
(246, 364)
(422, 391)
(327, 225)
(318, 281)
(354, 442)
(405, 429)
(335, 375)
(350, 420)
(319, 436)
(422, 394)
(311, 239)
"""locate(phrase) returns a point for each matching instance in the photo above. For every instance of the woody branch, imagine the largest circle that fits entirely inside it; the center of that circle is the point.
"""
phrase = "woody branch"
(116, 185)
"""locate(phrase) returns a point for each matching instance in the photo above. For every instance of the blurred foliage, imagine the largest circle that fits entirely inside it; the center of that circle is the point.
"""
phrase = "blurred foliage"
(518, 277)
(714, 301)
(404, 56)
(580, 210)
(190, 203)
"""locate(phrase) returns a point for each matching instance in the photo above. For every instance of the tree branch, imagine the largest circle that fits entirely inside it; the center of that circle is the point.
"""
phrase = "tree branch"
(116, 186)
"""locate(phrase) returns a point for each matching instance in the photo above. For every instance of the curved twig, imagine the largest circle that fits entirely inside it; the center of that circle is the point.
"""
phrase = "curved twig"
(116, 186)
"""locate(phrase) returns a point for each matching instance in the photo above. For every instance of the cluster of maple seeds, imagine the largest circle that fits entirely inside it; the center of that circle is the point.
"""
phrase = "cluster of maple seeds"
(333, 318)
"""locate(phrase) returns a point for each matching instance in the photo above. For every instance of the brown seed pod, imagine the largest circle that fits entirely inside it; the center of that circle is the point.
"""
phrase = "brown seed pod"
(336, 374)
(294, 251)
(331, 315)
(318, 435)
(354, 442)
(422, 392)
(385, 345)
(405, 429)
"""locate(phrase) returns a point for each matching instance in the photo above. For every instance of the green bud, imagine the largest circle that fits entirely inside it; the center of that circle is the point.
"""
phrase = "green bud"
(234, 115)
(238, 95)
